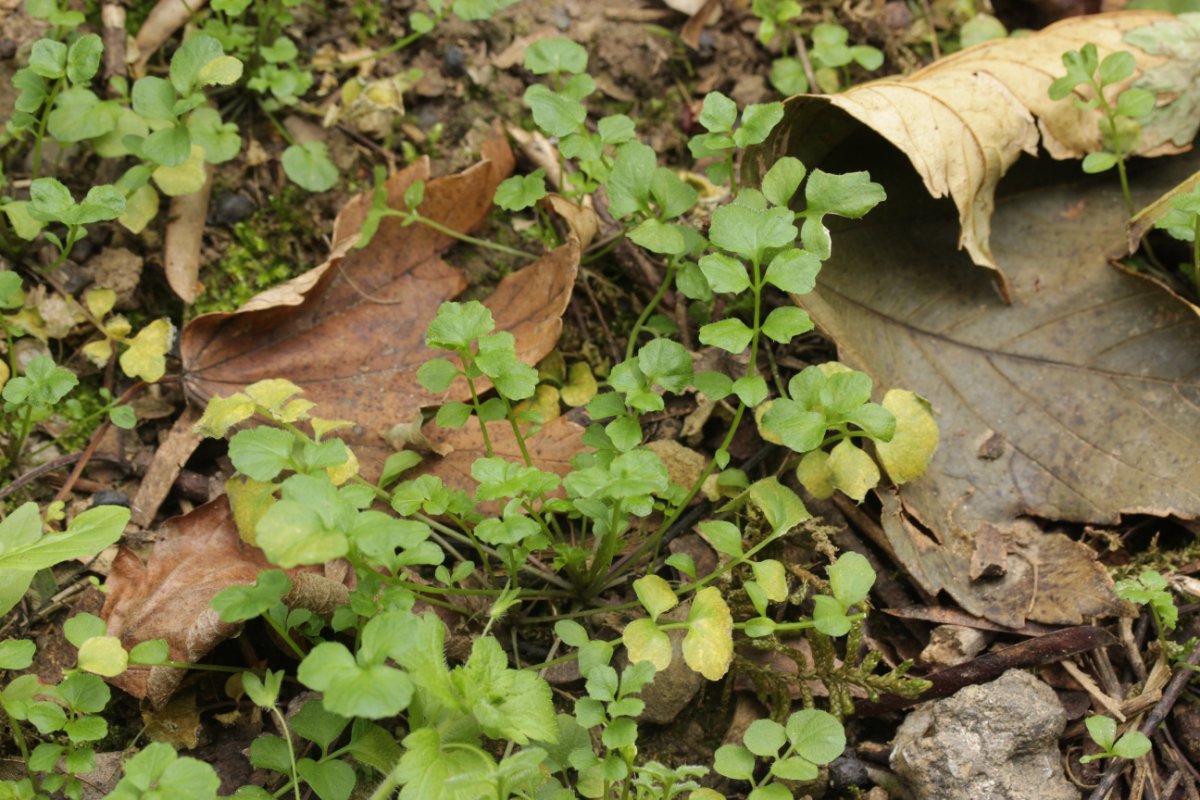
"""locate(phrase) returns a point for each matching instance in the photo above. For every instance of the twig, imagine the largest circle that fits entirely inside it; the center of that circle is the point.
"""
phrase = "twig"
(802, 52)
(93, 443)
(52, 466)
(1153, 720)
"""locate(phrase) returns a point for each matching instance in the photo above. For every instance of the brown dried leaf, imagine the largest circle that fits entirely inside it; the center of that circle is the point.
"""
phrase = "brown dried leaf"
(351, 331)
(185, 234)
(169, 596)
(551, 449)
(964, 120)
(1090, 377)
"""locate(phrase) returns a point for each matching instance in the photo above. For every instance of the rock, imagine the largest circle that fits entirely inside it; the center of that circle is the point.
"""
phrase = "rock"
(230, 208)
(675, 687)
(118, 269)
(997, 740)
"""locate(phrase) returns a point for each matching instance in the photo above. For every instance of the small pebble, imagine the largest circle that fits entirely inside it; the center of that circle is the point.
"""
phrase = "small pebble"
(454, 62)
(562, 20)
(848, 772)
(708, 44)
(8, 48)
(230, 208)
(110, 497)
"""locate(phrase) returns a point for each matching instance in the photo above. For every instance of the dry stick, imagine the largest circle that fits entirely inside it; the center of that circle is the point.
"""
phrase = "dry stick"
(1048, 649)
(52, 466)
(1153, 720)
(90, 450)
(802, 52)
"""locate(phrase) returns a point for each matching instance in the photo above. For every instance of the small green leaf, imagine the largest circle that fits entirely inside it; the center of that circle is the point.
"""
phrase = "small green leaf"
(854, 472)
(263, 452)
(553, 56)
(757, 123)
(666, 363)
(785, 323)
(751, 389)
(1099, 162)
(309, 167)
(629, 182)
(788, 77)
(713, 385)
(83, 58)
(48, 58)
(851, 578)
(1116, 67)
(197, 51)
(731, 335)
(457, 324)
(817, 735)
(553, 113)
(1103, 731)
(734, 761)
(1132, 744)
(772, 577)
(521, 191)
(814, 474)
(724, 273)
(616, 129)
(659, 237)
(16, 654)
(764, 737)
(718, 113)
(796, 427)
(782, 180)
(750, 233)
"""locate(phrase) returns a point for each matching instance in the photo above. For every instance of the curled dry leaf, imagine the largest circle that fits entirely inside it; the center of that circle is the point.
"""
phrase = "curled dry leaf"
(351, 331)
(185, 234)
(1078, 401)
(164, 20)
(169, 595)
(964, 120)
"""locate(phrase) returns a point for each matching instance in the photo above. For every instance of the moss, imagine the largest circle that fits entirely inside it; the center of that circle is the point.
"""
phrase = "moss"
(269, 248)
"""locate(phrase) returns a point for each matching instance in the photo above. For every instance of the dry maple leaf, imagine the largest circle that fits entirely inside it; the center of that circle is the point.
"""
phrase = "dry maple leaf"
(351, 331)
(170, 595)
(964, 120)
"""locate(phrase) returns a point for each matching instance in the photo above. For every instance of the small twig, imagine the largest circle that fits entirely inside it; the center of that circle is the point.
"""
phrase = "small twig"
(933, 40)
(802, 52)
(52, 466)
(1151, 723)
(93, 443)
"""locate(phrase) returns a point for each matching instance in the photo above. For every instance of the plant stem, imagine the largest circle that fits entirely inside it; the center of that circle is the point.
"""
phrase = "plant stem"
(17, 734)
(36, 170)
(283, 634)
(668, 279)
(462, 237)
(287, 737)
(1196, 254)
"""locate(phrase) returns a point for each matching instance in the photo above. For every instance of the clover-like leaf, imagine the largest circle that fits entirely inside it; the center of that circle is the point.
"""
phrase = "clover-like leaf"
(708, 645)
(555, 55)
(309, 167)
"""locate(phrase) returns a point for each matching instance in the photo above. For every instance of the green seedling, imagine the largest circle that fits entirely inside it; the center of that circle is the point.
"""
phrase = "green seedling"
(794, 752)
(1103, 730)
(1119, 128)
(832, 57)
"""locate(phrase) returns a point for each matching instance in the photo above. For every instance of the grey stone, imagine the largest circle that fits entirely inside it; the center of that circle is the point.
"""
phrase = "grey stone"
(676, 686)
(997, 741)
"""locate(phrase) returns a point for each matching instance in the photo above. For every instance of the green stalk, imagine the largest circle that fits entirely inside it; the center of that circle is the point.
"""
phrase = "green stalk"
(287, 737)
(17, 734)
(668, 279)
(36, 171)
(462, 237)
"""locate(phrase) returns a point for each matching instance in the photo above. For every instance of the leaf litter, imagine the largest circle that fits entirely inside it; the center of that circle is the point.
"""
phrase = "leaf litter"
(1073, 393)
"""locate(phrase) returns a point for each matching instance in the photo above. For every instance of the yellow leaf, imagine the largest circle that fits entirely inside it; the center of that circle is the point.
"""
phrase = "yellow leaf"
(98, 352)
(186, 178)
(272, 393)
(814, 474)
(140, 208)
(580, 387)
(4, 373)
(117, 327)
(104, 656)
(222, 413)
(645, 642)
(343, 472)
(772, 577)
(655, 595)
(323, 426)
(544, 403)
(854, 472)
(907, 455)
(100, 301)
(249, 499)
(708, 646)
(146, 357)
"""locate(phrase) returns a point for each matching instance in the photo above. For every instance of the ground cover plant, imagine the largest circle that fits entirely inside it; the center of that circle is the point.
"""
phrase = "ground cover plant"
(536, 479)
